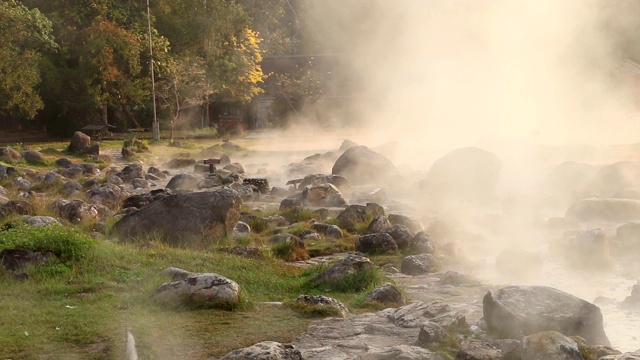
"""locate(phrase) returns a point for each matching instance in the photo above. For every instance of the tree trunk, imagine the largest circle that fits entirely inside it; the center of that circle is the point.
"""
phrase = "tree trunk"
(105, 117)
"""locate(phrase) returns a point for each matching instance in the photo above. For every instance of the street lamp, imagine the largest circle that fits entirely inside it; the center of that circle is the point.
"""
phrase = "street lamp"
(156, 125)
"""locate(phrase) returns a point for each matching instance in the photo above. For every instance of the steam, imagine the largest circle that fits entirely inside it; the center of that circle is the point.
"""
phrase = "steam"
(462, 73)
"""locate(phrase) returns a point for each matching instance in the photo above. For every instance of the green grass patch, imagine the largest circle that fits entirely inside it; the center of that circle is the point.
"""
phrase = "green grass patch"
(314, 311)
(355, 283)
(259, 225)
(67, 243)
(296, 215)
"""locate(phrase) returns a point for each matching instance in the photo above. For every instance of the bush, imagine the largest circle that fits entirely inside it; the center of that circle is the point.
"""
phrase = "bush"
(67, 243)
(258, 225)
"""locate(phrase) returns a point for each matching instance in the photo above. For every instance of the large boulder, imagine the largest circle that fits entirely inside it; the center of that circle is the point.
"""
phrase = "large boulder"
(419, 264)
(79, 142)
(75, 211)
(361, 165)
(516, 311)
(200, 289)
(351, 265)
(386, 294)
(401, 235)
(324, 301)
(266, 350)
(468, 174)
(131, 171)
(608, 210)
(317, 179)
(140, 201)
(193, 219)
(16, 207)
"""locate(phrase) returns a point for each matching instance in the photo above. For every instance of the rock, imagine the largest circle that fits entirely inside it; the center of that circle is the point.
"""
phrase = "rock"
(139, 183)
(516, 311)
(349, 266)
(108, 195)
(72, 171)
(33, 157)
(127, 153)
(318, 179)
(323, 195)
(63, 162)
(235, 167)
(131, 171)
(467, 174)
(361, 165)
(549, 345)
(157, 172)
(378, 224)
(179, 163)
(319, 300)
(114, 180)
(94, 149)
(346, 145)
(17, 207)
(241, 229)
(605, 210)
(19, 259)
(430, 333)
(518, 263)
(79, 142)
(194, 219)
(451, 319)
(53, 178)
(510, 348)
(477, 350)
(76, 211)
(417, 314)
(261, 184)
(40, 221)
(376, 243)
(247, 193)
(397, 219)
(401, 235)
(419, 264)
(22, 183)
(266, 350)
(206, 288)
(353, 214)
(7, 154)
(72, 187)
(330, 231)
(386, 294)
(457, 279)
(421, 244)
(175, 273)
(292, 202)
(90, 169)
(632, 302)
(599, 351)
(183, 182)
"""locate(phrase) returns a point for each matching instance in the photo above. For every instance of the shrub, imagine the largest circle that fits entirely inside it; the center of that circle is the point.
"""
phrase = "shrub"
(359, 281)
(67, 243)
(258, 225)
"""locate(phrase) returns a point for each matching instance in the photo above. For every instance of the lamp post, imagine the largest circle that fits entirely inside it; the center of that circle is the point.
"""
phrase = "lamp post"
(156, 125)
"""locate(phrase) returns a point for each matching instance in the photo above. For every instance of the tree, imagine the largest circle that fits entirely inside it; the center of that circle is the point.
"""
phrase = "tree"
(24, 33)
(216, 35)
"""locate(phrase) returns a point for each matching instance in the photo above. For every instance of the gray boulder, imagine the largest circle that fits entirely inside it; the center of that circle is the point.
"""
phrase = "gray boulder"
(422, 244)
(330, 231)
(516, 311)
(386, 294)
(40, 221)
(419, 264)
(352, 264)
(266, 350)
(431, 333)
(16, 207)
(194, 219)
(131, 171)
(318, 179)
(477, 350)
(63, 162)
(417, 314)
(235, 167)
(206, 288)
(378, 224)
(401, 235)
(22, 183)
(140, 201)
(75, 211)
(397, 219)
(183, 182)
(319, 300)
(362, 165)
(549, 345)
(376, 243)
